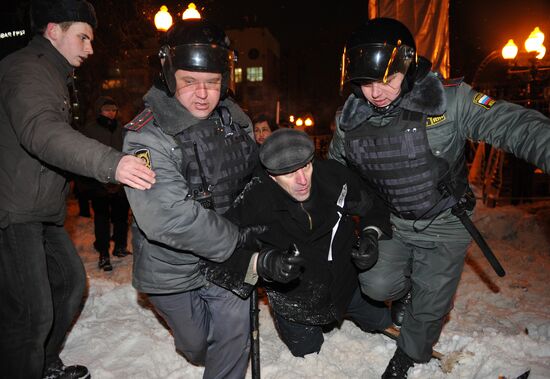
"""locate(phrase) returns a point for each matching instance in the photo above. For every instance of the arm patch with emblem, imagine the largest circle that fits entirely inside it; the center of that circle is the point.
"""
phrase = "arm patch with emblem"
(483, 100)
(145, 155)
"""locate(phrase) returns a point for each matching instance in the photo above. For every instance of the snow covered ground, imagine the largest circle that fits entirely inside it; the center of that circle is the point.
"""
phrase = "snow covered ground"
(501, 326)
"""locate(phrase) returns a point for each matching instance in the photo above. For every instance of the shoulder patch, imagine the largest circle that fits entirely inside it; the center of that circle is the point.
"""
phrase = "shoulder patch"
(453, 82)
(140, 120)
(483, 100)
(145, 155)
(434, 120)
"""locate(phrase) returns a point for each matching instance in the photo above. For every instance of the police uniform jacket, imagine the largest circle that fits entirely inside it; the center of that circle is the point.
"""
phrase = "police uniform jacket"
(170, 232)
(36, 140)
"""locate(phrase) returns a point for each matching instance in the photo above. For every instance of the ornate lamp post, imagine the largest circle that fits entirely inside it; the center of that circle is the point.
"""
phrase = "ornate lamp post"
(527, 65)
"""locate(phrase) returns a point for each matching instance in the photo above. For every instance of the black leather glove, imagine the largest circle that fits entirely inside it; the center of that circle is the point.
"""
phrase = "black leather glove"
(248, 237)
(278, 265)
(365, 253)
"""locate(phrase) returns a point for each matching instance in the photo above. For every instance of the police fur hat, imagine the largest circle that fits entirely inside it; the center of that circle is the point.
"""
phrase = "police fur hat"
(286, 150)
(58, 11)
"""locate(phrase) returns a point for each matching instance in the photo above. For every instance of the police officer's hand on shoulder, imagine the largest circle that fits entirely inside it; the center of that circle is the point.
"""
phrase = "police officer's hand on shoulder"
(365, 253)
(279, 265)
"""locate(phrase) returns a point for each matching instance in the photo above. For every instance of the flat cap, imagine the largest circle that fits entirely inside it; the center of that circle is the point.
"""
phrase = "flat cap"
(286, 150)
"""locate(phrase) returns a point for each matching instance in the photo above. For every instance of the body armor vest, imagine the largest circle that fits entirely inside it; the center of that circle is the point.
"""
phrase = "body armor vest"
(218, 160)
(397, 162)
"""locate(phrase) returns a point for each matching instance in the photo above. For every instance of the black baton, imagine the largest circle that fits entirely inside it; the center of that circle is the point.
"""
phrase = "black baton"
(255, 334)
(460, 212)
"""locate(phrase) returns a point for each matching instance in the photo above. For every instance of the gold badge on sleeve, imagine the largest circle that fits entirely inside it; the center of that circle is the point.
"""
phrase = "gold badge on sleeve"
(145, 155)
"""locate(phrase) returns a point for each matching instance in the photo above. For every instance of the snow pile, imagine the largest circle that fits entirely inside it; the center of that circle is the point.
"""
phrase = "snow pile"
(499, 326)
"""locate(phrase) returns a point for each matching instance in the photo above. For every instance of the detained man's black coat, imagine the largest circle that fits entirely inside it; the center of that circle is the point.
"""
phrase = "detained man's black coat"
(324, 289)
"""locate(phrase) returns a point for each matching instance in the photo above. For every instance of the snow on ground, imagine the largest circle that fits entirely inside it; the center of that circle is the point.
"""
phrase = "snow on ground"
(500, 325)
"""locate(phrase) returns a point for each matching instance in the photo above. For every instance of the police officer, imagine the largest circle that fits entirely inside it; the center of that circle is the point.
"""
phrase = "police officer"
(404, 131)
(200, 144)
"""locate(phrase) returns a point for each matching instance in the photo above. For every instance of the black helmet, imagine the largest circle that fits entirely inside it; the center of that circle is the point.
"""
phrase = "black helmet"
(377, 49)
(196, 45)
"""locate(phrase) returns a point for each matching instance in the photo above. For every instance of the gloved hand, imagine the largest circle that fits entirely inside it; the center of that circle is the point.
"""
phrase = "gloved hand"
(248, 237)
(278, 265)
(365, 253)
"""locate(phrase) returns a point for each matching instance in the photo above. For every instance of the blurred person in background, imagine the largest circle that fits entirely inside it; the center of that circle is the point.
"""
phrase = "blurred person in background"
(108, 199)
(263, 127)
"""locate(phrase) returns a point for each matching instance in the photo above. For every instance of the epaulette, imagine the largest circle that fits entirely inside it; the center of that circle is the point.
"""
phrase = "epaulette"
(142, 119)
(453, 82)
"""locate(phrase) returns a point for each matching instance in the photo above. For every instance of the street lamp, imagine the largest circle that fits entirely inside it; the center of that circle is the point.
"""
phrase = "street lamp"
(510, 50)
(534, 48)
(527, 66)
(191, 12)
(534, 43)
(163, 19)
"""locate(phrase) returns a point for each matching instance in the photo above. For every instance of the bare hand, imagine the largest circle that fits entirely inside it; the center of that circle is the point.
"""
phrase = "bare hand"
(133, 172)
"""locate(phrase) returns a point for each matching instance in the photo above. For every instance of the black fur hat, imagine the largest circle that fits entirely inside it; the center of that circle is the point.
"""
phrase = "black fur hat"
(58, 11)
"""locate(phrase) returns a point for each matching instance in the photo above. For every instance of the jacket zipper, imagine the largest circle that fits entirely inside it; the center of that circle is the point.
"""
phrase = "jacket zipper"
(308, 216)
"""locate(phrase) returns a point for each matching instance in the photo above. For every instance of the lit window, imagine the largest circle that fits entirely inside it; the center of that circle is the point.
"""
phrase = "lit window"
(238, 75)
(255, 74)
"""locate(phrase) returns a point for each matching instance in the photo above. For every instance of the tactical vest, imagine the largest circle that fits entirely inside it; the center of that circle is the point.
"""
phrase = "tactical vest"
(397, 161)
(218, 160)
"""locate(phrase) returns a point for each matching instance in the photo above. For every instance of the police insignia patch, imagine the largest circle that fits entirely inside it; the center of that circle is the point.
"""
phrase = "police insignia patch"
(431, 121)
(483, 100)
(145, 155)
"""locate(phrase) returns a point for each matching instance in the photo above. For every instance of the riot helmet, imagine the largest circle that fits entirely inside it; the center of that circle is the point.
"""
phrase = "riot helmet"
(378, 49)
(196, 45)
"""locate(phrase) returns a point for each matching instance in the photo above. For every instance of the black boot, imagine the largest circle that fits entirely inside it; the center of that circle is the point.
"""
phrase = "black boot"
(104, 262)
(398, 308)
(398, 366)
(58, 370)
(120, 252)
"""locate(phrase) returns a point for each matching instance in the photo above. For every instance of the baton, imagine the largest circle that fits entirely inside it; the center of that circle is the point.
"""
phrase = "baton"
(255, 334)
(459, 212)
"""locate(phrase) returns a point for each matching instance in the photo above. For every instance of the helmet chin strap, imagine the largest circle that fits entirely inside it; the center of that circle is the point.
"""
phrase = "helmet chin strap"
(387, 108)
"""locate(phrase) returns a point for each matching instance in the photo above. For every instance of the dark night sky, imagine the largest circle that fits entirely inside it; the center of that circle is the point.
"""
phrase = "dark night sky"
(312, 34)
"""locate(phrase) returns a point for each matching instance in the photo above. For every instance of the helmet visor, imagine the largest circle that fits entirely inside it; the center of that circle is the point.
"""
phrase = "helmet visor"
(202, 57)
(195, 57)
(375, 62)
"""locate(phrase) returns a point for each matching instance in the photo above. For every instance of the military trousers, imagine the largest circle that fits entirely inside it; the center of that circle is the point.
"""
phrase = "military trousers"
(211, 327)
(426, 259)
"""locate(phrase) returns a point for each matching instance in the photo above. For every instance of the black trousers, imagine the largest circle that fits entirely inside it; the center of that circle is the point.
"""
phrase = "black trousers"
(42, 281)
(302, 339)
(113, 208)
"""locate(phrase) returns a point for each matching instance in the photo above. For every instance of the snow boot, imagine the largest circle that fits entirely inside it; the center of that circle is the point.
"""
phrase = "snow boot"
(399, 366)
(104, 262)
(58, 370)
(398, 308)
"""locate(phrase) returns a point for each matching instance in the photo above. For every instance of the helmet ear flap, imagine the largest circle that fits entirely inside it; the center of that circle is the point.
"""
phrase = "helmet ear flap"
(166, 62)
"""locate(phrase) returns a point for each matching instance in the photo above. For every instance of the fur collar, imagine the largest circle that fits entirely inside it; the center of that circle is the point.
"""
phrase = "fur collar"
(173, 118)
(427, 96)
